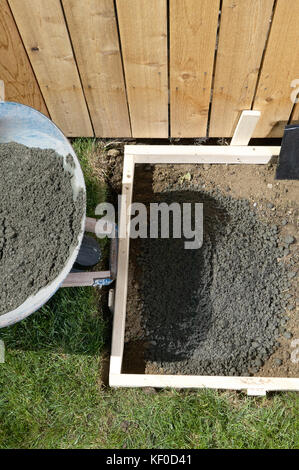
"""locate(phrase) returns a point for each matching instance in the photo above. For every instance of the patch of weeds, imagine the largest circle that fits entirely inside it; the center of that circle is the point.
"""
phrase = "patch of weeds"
(96, 190)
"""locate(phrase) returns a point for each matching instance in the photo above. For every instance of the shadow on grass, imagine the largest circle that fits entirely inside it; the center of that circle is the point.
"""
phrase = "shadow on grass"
(69, 323)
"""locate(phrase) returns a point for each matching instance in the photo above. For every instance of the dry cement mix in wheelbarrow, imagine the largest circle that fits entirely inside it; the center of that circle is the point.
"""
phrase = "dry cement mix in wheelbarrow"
(39, 220)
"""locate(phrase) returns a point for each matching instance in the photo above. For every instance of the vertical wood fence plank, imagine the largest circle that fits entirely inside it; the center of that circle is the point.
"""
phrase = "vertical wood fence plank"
(193, 29)
(143, 35)
(45, 36)
(280, 68)
(95, 40)
(15, 69)
(243, 32)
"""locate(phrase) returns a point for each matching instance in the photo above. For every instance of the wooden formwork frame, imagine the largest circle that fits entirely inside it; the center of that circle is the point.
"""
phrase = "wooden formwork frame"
(178, 154)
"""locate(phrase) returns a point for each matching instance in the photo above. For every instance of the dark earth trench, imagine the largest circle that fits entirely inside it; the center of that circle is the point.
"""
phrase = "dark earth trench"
(39, 221)
(217, 310)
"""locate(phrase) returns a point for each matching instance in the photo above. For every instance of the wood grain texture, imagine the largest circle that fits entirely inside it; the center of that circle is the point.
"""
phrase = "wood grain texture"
(187, 154)
(15, 69)
(45, 36)
(121, 288)
(143, 35)
(280, 68)
(95, 40)
(254, 385)
(243, 33)
(193, 28)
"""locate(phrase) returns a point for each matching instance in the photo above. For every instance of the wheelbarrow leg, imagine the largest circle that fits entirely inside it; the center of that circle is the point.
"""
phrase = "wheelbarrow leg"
(79, 278)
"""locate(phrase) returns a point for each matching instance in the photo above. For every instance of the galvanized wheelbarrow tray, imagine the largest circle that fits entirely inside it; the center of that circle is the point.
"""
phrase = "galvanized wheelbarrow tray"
(25, 125)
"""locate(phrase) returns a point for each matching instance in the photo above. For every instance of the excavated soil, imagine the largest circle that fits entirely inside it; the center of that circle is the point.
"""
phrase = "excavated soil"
(39, 221)
(230, 307)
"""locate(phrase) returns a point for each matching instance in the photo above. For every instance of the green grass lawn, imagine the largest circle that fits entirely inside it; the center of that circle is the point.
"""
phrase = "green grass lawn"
(52, 396)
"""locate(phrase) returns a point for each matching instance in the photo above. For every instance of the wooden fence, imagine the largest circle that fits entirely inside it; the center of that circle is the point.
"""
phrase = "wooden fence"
(153, 68)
